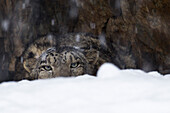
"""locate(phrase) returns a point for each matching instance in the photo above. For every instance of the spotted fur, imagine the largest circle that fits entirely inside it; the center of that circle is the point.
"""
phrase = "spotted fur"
(69, 55)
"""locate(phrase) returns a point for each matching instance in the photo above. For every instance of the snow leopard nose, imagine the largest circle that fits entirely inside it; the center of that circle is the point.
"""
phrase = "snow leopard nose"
(62, 71)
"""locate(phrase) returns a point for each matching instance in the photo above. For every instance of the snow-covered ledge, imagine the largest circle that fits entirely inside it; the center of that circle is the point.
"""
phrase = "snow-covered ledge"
(112, 91)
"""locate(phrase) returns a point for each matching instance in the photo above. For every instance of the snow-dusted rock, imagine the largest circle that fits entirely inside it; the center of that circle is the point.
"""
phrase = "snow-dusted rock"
(108, 70)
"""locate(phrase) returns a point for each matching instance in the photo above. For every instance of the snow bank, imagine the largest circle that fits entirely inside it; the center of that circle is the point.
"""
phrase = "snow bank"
(113, 91)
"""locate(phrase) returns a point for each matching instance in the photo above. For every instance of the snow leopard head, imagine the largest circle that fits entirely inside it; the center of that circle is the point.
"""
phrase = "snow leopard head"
(71, 55)
(66, 62)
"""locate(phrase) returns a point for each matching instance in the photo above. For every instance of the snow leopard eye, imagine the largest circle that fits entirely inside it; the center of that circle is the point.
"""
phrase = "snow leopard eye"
(74, 65)
(47, 68)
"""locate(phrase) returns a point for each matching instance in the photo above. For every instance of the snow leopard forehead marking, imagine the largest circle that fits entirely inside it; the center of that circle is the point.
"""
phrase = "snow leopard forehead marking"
(49, 50)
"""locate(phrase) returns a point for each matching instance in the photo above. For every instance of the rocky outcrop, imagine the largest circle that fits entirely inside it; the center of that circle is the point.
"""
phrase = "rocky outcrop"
(138, 31)
(140, 35)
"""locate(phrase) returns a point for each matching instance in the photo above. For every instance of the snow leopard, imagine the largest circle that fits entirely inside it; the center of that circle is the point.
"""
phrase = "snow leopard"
(68, 55)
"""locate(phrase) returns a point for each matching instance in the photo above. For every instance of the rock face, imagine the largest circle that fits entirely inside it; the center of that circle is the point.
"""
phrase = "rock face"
(137, 31)
(140, 35)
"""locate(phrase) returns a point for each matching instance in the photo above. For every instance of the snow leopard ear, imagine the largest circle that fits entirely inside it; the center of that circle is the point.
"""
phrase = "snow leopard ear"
(29, 64)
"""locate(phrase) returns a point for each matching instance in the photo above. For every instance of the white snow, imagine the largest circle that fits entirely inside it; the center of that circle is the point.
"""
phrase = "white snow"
(5, 25)
(73, 13)
(52, 22)
(79, 3)
(22, 59)
(102, 40)
(23, 6)
(77, 38)
(112, 91)
(92, 25)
